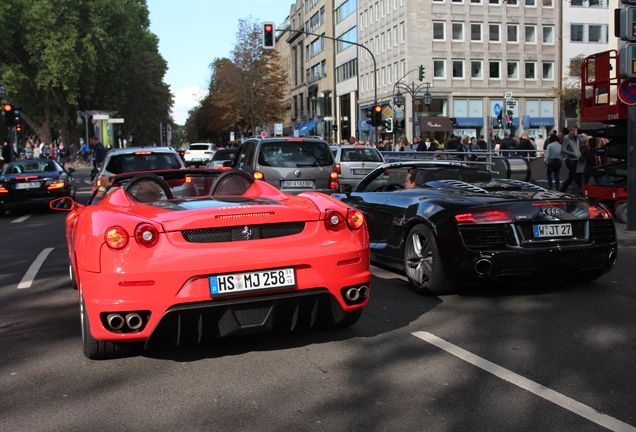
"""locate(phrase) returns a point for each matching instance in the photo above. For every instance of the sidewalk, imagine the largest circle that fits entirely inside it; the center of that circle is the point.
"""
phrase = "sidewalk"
(625, 238)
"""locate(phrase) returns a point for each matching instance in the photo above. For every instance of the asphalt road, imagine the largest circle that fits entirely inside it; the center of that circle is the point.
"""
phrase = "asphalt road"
(545, 358)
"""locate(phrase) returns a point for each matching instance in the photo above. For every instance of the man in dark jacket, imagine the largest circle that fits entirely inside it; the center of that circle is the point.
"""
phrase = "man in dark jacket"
(99, 153)
(508, 144)
(526, 144)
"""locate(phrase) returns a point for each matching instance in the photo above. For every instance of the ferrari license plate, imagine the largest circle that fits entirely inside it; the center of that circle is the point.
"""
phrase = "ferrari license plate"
(553, 230)
(236, 283)
(361, 171)
(30, 185)
(298, 183)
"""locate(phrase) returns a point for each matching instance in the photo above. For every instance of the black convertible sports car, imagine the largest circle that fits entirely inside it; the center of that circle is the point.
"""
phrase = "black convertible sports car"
(30, 183)
(450, 225)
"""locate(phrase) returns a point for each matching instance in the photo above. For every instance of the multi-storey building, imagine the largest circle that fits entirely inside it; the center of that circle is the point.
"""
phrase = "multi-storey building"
(473, 53)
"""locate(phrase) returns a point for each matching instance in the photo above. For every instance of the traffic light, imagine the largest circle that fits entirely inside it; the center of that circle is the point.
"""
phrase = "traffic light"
(377, 115)
(7, 111)
(16, 118)
(510, 112)
(399, 124)
(269, 41)
(422, 73)
(499, 124)
(388, 124)
(625, 29)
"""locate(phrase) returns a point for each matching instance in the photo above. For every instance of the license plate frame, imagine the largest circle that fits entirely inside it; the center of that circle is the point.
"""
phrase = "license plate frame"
(547, 231)
(228, 284)
(361, 171)
(298, 183)
(28, 185)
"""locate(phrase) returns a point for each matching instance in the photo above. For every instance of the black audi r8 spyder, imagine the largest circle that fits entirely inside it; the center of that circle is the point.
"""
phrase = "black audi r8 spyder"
(455, 225)
(32, 183)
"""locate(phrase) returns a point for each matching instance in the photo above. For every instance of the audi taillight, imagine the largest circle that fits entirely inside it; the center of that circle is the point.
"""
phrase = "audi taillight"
(146, 234)
(355, 219)
(488, 216)
(597, 211)
(3, 190)
(116, 237)
(55, 185)
(334, 220)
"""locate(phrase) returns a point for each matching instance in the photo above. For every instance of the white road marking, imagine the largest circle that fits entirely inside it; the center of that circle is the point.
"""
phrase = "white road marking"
(27, 280)
(526, 384)
(21, 219)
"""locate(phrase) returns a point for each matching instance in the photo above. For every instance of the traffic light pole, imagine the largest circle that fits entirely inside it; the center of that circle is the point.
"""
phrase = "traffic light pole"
(375, 67)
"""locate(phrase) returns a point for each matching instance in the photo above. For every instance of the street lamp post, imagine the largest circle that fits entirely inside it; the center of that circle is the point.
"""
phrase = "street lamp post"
(82, 117)
(413, 90)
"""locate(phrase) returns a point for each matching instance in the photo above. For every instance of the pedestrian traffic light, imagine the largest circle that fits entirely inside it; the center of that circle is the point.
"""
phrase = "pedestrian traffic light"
(7, 112)
(377, 115)
(269, 41)
(510, 118)
(388, 124)
(422, 73)
(499, 124)
(399, 124)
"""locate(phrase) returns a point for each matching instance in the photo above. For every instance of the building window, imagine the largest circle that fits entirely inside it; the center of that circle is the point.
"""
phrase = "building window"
(548, 35)
(438, 31)
(458, 31)
(495, 69)
(350, 35)
(547, 3)
(547, 71)
(493, 33)
(344, 10)
(493, 2)
(475, 69)
(592, 33)
(512, 3)
(439, 70)
(531, 3)
(513, 33)
(595, 33)
(475, 32)
(513, 70)
(531, 34)
(576, 32)
(458, 68)
(347, 70)
(531, 70)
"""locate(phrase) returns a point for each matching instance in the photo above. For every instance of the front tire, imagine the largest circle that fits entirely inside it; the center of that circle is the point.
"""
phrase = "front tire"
(621, 212)
(422, 263)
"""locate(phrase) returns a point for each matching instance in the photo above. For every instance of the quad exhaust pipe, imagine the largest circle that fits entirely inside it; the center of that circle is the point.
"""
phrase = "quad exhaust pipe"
(354, 294)
(115, 321)
(134, 321)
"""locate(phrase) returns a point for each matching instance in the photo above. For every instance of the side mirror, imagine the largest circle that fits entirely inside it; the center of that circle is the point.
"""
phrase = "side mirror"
(64, 204)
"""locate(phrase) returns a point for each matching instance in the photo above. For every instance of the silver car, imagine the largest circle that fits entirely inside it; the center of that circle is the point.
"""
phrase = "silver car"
(354, 162)
(293, 165)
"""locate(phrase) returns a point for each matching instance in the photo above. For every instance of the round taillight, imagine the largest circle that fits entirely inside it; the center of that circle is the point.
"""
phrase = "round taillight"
(116, 237)
(334, 220)
(355, 219)
(258, 175)
(146, 235)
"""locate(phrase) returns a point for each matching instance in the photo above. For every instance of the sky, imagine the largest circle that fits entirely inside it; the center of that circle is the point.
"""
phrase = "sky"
(192, 33)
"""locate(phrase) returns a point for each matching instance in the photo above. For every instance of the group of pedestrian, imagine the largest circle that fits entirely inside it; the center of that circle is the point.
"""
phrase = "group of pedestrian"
(573, 150)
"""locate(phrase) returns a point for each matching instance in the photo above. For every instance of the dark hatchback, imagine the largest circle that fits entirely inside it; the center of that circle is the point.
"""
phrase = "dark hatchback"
(458, 226)
(33, 183)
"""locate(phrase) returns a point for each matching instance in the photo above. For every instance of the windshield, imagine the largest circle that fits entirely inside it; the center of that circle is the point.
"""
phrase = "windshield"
(292, 154)
(421, 176)
(224, 155)
(199, 147)
(33, 167)
(360, 155)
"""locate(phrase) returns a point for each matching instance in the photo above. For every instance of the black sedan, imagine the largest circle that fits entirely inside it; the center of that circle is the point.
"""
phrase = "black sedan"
(450, 225)
(32, 183)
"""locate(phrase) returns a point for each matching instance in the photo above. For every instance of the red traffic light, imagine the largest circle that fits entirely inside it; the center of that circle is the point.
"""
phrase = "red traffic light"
(7, 107)
(268, 28)
(377, 108)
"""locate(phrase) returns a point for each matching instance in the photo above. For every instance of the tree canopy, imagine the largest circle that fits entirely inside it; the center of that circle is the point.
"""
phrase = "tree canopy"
(61, 56)
(245, 90)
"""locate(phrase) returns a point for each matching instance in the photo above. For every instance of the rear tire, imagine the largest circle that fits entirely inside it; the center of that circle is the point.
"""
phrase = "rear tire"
(621, 212)
(97, 349)
(422, 263)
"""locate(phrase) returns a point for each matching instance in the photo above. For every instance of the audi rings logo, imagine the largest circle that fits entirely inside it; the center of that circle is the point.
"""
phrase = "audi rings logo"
(552, 211)
(247, 233)
(297, 173)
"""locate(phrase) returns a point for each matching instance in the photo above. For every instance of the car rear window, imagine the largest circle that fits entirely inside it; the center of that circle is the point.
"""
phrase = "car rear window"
(199, 147)
(360, 155)
(224, 154)
(292, 154)
(119, 164)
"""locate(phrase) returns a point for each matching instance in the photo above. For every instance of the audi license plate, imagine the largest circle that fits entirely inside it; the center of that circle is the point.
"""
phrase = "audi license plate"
(553, 230)
(266, 280)
(27, 185)
(298, 183)
(361, 171)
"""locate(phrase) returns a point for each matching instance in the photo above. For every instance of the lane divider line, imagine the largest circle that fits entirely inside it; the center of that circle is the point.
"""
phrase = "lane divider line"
(29, 276)
(21, 219)
(544, 392)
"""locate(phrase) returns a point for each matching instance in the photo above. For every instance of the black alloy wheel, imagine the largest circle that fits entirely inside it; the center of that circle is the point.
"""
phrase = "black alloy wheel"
(422, 263)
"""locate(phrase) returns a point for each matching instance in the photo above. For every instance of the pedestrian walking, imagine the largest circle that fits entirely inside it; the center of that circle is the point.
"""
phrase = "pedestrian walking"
(571, 153)
(552, 163)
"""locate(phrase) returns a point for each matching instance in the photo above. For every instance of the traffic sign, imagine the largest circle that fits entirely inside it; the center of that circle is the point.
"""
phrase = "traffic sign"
(264, 134)
(497, 109)
(507, 95)
(627, 91)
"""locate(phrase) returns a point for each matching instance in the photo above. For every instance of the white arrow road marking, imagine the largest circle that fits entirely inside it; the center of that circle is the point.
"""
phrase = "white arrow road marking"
(28, 278)
(557, 398)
